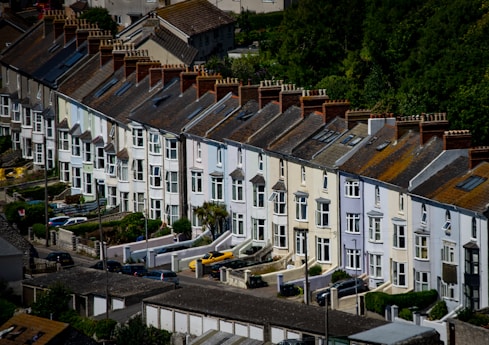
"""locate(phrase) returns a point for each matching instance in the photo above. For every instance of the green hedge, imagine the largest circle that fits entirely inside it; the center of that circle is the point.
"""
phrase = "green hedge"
(378, 301)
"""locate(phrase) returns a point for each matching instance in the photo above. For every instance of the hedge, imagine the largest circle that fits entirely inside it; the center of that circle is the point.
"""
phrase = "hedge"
(378, 301)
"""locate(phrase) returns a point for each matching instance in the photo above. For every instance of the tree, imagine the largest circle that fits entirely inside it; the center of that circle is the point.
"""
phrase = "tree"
(101, 17)
(183, 226)
(53, 303)
(212, 216)
(136, 332)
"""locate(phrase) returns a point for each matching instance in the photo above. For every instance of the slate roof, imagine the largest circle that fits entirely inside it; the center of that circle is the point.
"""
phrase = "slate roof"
(194, 16)
(276, 127)
(202, 125)
(11, 28)
(287, 142)
(88, 281)
(7, 249)
(174, 45)
(398, 162)
(226, 304)
(339, 147)
(229, 123)
(320, 140)
(452, 193)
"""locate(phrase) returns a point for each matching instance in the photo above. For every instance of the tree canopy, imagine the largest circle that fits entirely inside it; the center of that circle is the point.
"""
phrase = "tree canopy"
(101, 17)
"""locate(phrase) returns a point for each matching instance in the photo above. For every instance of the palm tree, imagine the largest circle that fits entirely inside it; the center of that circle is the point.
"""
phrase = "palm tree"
(212, 215)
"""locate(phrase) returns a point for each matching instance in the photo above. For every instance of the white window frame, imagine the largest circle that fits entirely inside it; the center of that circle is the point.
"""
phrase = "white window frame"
(303, 175)
(421, 247)
(447, 226)
(112, 196)
(87, 152)
(4, 106)
(237, 190)
(377, 196)
(279, 235)
(154, 143)
(421, 281)
(16, 112)
(171, 149)
(448, 251)
(76, 146)
(399, 274)
(399, 239)
(282, 169)
(38, 126)
(138, 169)
(259, 195)
(100, 157)
(124, 197)
(123, 170)
(155, 176)
(111, 165)
(279, 202)
(39, 153)
(219, 156)
(88, 183)
(258, 229)
(64, 141)
(323, 249)
(16, 140)
(139, 201)
(300, 242)
(240, 157)
(76, 178)
(137, 137)
(155, 208)
(196, 183)
(424, 214)
(199, 152)
(322, 214)
(172, 214)
(353, 261)
(352, 189)
(402, 202)
(238, 224)
(217, 188)
(375, 229)
(171, 181)
(353, 223)
(447, 290)
(375, 265)
(64, 172)
(325, 180)
(301, 208)
(260, 162)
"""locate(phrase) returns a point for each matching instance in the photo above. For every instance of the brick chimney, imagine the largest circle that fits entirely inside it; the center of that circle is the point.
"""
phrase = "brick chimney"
(206, 83)
(70, 27)
(339, 108)
(119, 52)
(269, 91)
(224, 86)
(289, 96)
(106, 49)
(248, 93)
(58, 20)
(312, 100)
(477, 155)
(457, 139)
(143, 67)
(405, 124)
(432, 125)
(94, 40)
(84, 30)
(155, 76)
(188, 78)
(132, 58)
(170, 72)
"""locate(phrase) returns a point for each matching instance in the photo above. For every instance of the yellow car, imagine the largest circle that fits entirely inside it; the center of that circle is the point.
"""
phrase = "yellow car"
(210, 258)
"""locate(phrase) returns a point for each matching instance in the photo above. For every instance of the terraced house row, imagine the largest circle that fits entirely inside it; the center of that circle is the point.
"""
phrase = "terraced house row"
(402, 200)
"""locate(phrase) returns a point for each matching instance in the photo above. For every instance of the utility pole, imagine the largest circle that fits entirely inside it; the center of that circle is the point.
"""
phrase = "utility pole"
(356, 276)
(46, 216)
(307, 268)
(103, 253)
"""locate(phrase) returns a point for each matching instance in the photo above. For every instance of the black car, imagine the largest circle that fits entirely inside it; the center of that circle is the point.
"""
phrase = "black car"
(231, 263)
(112, 266)
(288, 290)
(137, 270)
(345, 287)
(63, 258)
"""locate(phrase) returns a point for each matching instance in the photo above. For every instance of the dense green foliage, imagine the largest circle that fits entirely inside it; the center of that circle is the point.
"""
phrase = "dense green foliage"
(39, 230)
(183, 226)
(37, 192)
(315, 270)
(402, 57)
(406, 314)
(33, 214)
(474, 318)
(439, 310)
(7, 302)
(136, 332)
(339, 275)
(212, 216)
(378, 301)
(53, 303)
(5, 143)
(101, 17)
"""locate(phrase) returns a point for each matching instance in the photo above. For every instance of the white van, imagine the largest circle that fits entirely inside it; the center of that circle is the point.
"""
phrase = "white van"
(75, 220)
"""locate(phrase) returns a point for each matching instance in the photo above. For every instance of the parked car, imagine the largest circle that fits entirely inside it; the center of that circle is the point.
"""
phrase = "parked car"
(231, 263)
(289, 289)
(210, 258)
(137, 270)
(163, 275)
(63, 258)
(345, 287)
(305, 341)
(112, 266)
(75, 220)
(57, 221)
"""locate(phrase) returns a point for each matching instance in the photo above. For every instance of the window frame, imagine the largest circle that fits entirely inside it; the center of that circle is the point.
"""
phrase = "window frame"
(258, 195)
(399, 236)
(154, 143)
(196, 181)
(217, 188)
(138, 137)
(323, 247)
(171, 181)
(322, 214)
(258, 229)
(171, 149)
(375, 229)
(352, 189)
(238, 224)
(399, 276)
(155, 180)
(375, 265)
(279, 235)
(237, 190)
(353, 219)
(421, 247)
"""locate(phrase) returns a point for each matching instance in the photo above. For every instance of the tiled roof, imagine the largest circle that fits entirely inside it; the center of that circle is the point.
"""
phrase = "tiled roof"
(275, 128)
(28, 327)
(475, 199)
(231, 121)
(174, 45)
(194, 16)
(11, 28)
(308, 126)
(261, 310)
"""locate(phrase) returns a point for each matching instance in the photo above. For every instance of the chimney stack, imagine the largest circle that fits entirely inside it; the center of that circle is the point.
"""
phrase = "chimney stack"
(432, 125)
(312, 100)
(405, 124)
(132, 58)
(171, 72)
(457, 139)
(206, 83)
(70, 27)
(143, 67)
(340, 108)
(57, 21)
(119, 52)
(83, 31)
(188, 78)
(106, 49)
(289, 96)
(224, 86)
(477, 155)
(94, 41)
(247, 93)
(269, 91)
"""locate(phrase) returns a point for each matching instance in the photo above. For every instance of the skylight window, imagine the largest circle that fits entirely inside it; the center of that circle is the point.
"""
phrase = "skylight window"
(355, 141)
(73, 59)
(347, 139)
(105, 88)
(383, 145)
(123, 88)
(194, 113)
(470, 183)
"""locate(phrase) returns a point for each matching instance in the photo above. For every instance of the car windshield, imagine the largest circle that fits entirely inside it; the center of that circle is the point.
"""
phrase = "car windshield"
(206, 256)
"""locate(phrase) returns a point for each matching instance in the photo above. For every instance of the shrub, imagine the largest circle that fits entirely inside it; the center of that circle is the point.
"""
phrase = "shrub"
(39, 230)
(439, 310)
(378, 301)
(315, 270)
(339, 275)
(406, 314)
(202, 241)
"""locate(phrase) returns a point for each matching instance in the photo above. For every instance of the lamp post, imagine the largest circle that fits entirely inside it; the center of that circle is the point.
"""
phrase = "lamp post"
(46, 213)
(103, 254)
(356, 275)
(146, 229)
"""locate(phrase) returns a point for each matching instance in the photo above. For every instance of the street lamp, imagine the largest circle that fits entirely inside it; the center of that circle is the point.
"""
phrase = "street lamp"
(103, 253)
(356, 276)
(146, 229)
